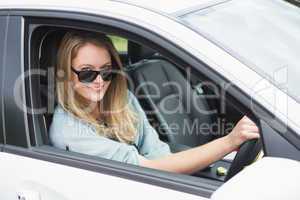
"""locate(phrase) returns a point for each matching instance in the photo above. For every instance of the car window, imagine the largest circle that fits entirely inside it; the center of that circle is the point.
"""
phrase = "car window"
(121, 44)
(270, 38)
(185, 130)
(44, 43)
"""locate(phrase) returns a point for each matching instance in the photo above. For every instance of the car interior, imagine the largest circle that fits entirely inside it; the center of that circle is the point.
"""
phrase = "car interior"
(147, 65)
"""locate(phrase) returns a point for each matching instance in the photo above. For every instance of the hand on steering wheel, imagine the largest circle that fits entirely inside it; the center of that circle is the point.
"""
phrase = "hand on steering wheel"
(244, 135)
(244, 130)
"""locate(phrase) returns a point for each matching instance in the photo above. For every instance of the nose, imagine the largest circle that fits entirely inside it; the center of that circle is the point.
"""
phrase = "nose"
(98, 79)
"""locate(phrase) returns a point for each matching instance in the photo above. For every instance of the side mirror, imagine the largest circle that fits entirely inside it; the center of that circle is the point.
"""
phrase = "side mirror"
(268, 178)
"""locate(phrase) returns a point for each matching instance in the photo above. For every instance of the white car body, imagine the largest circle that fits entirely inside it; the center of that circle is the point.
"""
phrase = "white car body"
(34, 179)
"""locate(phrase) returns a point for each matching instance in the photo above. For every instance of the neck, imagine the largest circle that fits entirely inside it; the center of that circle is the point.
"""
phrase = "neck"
(95, 111)
(91, 106)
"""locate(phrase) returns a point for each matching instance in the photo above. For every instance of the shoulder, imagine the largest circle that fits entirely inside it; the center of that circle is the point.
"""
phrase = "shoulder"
(65, 125)
(130, 96)
(63, 117)
(133, 102)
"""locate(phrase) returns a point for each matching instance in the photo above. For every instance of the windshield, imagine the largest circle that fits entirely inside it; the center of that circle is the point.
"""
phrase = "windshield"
(264, 34)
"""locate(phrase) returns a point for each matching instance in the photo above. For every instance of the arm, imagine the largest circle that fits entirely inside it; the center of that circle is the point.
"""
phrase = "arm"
(197, 158)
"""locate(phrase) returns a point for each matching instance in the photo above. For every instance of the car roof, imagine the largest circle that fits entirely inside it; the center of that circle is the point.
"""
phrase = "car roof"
(170, 7)
(163, 7)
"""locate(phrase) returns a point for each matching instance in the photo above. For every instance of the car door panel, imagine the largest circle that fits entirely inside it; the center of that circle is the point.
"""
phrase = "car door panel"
(45, 180)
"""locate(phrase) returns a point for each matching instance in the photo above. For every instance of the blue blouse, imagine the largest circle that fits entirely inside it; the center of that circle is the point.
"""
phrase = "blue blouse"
(69, 132)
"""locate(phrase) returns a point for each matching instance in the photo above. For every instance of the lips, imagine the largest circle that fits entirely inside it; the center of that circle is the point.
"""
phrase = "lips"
(96, 87)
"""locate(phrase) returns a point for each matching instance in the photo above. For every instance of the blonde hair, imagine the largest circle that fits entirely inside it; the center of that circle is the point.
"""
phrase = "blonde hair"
(119, 121)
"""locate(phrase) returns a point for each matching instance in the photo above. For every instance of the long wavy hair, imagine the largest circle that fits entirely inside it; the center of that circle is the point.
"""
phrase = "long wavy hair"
(118, 121)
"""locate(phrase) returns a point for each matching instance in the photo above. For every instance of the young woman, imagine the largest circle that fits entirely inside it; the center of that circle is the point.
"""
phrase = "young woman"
(97, 115)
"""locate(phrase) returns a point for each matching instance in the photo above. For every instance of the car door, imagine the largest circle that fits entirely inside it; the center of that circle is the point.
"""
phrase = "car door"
(42, 172)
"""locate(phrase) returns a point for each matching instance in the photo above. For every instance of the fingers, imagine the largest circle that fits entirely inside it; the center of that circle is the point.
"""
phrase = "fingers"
(251, 128)
(244, 130)
(252, 135)
(246, 120)
(247, 135)
(247, 129)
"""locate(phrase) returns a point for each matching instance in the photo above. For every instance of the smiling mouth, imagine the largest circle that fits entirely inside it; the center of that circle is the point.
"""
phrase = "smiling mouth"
(96, 88)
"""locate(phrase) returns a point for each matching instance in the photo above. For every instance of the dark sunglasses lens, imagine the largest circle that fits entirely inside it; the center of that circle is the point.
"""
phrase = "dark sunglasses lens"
(107, 75)
(87, 76)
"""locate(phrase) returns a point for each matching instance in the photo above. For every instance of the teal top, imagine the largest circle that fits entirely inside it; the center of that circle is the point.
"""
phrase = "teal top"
(70, 133)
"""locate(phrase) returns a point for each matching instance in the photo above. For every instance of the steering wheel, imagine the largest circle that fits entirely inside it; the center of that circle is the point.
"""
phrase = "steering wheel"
(246, 155)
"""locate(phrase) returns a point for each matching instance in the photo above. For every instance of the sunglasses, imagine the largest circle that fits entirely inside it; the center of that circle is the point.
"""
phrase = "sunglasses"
(88, 76)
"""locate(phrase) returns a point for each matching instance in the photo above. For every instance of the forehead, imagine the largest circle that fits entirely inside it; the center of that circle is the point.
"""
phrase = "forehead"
(92, 54)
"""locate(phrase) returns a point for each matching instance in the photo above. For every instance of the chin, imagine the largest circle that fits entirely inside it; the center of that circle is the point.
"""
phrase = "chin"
(96, 97)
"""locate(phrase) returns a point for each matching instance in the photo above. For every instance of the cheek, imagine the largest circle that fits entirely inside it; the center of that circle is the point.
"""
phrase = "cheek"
(106, 85)
(85, 92)
(74, 81)
(77, 85)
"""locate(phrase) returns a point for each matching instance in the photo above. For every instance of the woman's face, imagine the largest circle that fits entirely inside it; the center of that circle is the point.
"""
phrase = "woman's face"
(91, 57)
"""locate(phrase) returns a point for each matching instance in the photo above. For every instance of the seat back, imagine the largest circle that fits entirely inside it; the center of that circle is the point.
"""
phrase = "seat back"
(48, 57)
(165, 93)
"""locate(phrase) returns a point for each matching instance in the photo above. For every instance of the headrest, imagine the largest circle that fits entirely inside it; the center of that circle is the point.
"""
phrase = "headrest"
(48, 56)
(49, 48)
(137, 52)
